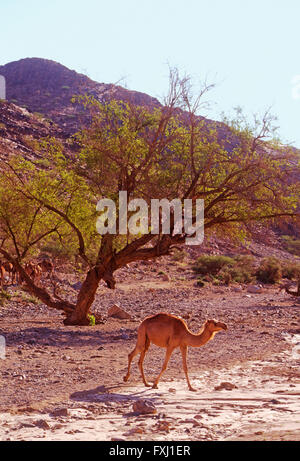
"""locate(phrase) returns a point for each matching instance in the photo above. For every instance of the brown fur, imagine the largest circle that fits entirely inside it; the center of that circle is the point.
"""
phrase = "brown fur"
(170, 332)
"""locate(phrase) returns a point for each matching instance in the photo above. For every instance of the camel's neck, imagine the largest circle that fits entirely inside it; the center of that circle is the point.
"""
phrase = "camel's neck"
(197, 340)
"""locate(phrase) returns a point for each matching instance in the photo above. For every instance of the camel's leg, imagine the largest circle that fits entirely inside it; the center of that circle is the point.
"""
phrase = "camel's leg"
(183, 353)
(140, 347)
(131, 356)
(165, 364)
(141, 360)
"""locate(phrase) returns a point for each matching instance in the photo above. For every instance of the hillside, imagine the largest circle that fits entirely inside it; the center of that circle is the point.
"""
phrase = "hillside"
(38, 105)
(18, 128)
(46, 87)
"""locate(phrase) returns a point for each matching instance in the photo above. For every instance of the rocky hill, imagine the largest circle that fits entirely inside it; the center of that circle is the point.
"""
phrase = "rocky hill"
(19, 128)
(46, 87)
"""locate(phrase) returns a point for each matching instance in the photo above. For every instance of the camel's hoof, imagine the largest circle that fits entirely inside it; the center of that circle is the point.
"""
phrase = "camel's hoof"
(147, 384)
(192, 389)
(154, 386)
(125, 379)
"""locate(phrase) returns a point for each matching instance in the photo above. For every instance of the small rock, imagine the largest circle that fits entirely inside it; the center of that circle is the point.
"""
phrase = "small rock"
(25, 425)
(162, 426)
(41, 423)
(117, 312)
(237, 289)
(254, 289)
(275, 401)
(60, 412)
(144, 407)
(172, 390)
(77, 286)
(135, 430)
(225, 385)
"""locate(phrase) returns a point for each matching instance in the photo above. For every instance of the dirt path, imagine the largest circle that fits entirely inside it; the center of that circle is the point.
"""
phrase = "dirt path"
(61, 383)
(247, 402)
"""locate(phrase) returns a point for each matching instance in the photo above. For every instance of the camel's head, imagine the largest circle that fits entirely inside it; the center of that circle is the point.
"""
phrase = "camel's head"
(214, 325)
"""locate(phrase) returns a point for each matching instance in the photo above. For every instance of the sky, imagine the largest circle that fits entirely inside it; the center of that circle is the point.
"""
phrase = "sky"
(249, 48)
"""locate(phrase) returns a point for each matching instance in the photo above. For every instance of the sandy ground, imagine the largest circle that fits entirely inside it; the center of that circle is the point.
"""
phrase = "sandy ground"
(65, 383)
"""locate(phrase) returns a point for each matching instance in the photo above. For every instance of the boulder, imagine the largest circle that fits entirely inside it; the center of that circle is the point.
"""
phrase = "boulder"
(144, 407)
(255, 289)
(60, 412)
(117, 312)
(41, 423)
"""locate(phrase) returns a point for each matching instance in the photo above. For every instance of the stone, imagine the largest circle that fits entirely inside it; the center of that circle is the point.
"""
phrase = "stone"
(254, 289)
(60, 412)
(42, 424)
(237, 289)
(117, 312)
(144, 407)
(77, 286)
(225, 385)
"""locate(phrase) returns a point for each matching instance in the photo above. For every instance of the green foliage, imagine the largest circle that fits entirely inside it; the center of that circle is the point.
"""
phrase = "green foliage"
(151, 153)
(291, 270)
(178, 255)
(200, 282)
(212, 264)
(241, 272)
(270, 270)
(291, 244)
(92, 320)
(239, 269)
(4, 297)
(28, 298)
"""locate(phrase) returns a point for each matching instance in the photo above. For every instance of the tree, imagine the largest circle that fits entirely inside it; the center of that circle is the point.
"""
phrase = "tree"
(165, 152)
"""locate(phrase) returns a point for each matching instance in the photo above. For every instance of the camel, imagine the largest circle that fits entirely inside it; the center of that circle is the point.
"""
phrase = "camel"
(10, 270)
(46, 267)
(168, 331)
(2, 275)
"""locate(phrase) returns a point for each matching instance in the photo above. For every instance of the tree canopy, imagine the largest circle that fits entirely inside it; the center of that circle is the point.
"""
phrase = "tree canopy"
(159, 153)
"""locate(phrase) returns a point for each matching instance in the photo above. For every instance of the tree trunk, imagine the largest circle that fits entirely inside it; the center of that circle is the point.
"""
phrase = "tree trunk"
(85, 299)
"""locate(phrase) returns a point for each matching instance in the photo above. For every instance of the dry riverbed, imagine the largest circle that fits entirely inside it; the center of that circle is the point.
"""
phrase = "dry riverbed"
(65, 383)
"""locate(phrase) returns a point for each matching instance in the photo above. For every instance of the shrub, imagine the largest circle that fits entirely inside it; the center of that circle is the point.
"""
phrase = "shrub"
(291, 245)
(239, 269)
(92, 320)
(269, 271)
(212, 264)
(178, 255)
(4, 296)
(291, 271)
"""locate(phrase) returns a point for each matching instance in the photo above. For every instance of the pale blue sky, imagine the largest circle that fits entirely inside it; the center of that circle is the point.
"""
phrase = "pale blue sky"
(251, 48)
